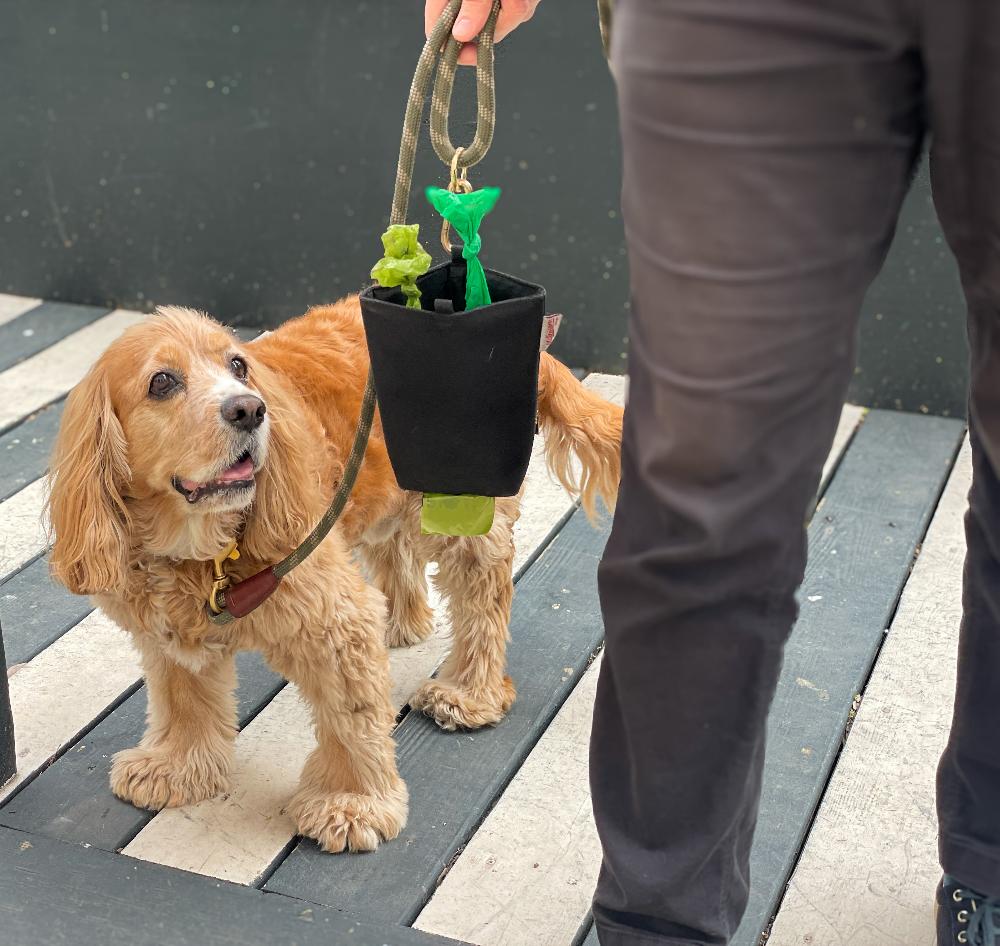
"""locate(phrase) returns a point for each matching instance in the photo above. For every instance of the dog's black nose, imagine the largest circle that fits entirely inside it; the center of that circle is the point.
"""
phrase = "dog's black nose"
(243, 411)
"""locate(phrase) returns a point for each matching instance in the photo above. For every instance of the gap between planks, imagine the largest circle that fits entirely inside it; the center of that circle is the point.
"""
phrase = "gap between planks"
(237, 837)
(870, 867)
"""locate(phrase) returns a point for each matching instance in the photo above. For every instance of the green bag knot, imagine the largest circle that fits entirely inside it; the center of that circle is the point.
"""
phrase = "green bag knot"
(465, 213)
(405, 260)
(471, 249)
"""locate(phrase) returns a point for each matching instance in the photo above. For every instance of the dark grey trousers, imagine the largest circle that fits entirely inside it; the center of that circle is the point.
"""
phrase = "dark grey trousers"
(767, 147)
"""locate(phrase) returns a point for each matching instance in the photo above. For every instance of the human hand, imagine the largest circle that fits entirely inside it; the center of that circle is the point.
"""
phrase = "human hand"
(472, 18)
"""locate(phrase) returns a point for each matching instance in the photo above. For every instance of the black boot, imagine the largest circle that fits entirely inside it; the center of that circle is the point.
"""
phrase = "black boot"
(966, 917)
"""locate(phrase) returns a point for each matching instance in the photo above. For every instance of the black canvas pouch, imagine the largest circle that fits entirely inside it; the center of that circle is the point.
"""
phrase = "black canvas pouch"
(457, 390)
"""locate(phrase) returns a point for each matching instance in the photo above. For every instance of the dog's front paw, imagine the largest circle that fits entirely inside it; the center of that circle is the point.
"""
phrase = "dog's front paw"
(452, 708)
(340, 820)
(154, 779)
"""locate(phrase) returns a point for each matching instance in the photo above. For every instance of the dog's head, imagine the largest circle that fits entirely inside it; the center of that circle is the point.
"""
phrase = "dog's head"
(165, 444)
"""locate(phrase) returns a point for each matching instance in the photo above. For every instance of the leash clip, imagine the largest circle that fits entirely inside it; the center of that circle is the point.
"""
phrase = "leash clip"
(220, 580)
(459, 184)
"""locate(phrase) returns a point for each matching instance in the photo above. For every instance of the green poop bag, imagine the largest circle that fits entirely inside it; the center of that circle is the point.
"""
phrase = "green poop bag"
(465, 213)
(405, 259)
(442, 514)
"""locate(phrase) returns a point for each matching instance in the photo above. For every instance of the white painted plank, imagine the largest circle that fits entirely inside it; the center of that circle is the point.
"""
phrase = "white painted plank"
(613, 387)
(868, 871)
(527, 877)
(13, 306)
(850, 417)
(22, 529)
(237, 836)
(60, 692)
(270, 754)
(38, 380)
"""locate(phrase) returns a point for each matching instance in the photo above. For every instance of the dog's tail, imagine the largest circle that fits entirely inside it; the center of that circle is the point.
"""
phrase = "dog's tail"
(583, 436)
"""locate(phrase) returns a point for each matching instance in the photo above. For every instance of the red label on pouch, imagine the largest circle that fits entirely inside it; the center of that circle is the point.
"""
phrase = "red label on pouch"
(550, 328)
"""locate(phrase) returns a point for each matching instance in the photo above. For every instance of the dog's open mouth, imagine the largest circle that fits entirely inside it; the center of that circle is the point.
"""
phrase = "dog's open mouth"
(234, 478)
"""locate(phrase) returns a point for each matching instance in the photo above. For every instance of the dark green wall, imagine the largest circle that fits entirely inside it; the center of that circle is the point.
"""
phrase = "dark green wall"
(239, 157)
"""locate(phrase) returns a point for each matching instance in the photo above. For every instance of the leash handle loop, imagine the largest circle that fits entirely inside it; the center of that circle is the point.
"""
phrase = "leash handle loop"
(440, 53)
(444, 85)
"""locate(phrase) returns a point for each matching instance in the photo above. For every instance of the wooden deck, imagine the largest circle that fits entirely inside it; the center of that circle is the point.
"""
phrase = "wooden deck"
(500, 849)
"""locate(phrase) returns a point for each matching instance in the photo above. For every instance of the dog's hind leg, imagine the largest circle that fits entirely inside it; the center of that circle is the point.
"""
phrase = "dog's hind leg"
(350, 794)
(397, 568)
(475, 576)
(187, 751)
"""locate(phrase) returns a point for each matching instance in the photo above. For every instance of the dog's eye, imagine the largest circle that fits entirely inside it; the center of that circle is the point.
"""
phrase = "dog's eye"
(163, 384)
(239, 368)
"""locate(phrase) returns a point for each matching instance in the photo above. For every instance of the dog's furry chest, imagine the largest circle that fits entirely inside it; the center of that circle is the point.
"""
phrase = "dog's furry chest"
(163, 608)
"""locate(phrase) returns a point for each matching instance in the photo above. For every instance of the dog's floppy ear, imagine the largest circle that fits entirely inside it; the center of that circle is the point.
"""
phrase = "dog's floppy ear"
(290, 485)
(86, 510)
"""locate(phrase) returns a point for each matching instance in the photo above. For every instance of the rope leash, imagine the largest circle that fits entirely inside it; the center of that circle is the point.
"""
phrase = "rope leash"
(232, 600)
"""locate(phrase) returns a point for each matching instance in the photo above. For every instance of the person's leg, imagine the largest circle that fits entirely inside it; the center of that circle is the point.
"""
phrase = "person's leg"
(963, 65)
(767, 147)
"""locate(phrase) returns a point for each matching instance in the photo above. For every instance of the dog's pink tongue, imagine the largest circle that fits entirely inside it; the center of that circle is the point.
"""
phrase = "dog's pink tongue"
(238, 471)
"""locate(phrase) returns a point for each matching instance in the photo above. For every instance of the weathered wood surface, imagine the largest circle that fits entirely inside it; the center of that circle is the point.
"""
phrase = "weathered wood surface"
(42, 326)
(59, 694)
(13, 306)
(36, 611)
(71, 799)
(528, 874)
(44, 377)
(25, 450)
(236, 837)
(862, 541)
(22, 527)
(454, 777)
(868, 872)
(57, 894)
(271, 747)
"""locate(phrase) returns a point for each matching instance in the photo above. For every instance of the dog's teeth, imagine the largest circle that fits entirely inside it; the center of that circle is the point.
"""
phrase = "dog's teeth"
(192, 497)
